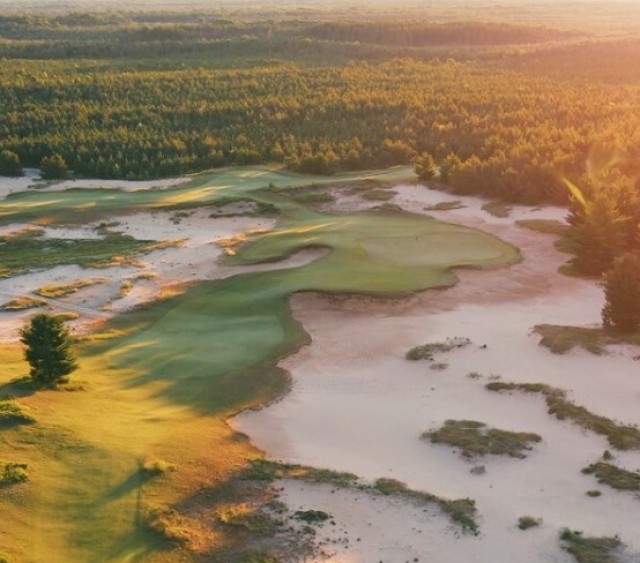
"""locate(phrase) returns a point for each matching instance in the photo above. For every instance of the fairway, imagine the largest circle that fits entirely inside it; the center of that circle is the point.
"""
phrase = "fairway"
(161, 380)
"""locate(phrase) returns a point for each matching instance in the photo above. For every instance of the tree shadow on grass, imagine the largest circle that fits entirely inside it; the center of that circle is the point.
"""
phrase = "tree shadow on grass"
(18, 388)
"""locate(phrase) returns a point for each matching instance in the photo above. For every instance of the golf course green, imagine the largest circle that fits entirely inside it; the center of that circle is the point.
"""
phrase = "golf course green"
(160, 381)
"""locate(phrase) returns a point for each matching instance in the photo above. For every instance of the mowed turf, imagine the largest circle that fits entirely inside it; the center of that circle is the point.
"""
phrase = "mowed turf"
(161, 381)
(82, 205)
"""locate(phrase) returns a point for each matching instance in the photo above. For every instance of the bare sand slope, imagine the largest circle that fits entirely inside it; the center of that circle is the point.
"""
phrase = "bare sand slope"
(358, 405)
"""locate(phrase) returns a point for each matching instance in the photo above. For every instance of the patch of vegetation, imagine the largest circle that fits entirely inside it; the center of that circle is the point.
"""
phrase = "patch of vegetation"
(125, 288)
(609, 474)
(55, 291)
(22, 303)
(475, 438)
(26, 251)
(249, 519)
(312, 516)
(153, 467)
(13, 413)
(591, 550)
(313, 197)
(526, 522)
(548, 226)
(257, 556)
(429, 350)
(560, 339)
(497, 209)
(13, 473)
(169, 525)
(619, 436)
(460, 511)
(445, 206)
(594, 493)
(378, 194)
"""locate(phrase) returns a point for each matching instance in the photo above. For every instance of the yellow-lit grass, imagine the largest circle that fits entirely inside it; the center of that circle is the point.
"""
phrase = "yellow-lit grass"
(54, 291)
(84, 450)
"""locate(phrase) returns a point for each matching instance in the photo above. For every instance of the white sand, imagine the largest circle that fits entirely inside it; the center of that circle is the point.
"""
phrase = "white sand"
(357, 405)
(12, 185)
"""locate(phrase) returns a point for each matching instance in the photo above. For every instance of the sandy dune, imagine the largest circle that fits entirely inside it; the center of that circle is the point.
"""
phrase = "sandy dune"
(357, 405)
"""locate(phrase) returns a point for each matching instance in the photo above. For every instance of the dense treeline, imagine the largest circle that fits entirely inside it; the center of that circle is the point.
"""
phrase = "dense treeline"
(508, 136)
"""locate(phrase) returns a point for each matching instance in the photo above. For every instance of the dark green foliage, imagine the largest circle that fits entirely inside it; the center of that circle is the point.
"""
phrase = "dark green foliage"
(53, 167)
(10, 164)
(622, 294)
(312, 516)
(48, 349)
(429, 350)
(474, 438)
(590, 550)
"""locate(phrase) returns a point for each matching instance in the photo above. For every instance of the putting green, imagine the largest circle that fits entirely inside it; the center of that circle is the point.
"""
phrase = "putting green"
(171, 373)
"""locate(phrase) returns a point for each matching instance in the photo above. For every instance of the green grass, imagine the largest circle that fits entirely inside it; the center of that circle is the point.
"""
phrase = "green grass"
(476, 439)
(609, 474)
(19, 254)
(591, 550)
(620, 436)
(560, 339)
(82, 205)
(164, 378)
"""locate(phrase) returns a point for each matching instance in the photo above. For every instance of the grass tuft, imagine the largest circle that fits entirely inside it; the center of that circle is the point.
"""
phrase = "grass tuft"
(429, 350)
(54, 291)
(476, 439)
(12, 413)
(13, 473)
(154, 467)
(619, 436)
(560, 339)
(527, 522)
(617, 478)
(590, 550)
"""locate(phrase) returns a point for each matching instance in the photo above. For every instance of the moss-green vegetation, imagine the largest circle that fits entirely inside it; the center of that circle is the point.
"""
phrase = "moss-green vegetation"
(594, 493)
(560, 339)
(591, 550)
(429, 350)
(12, 413)
(497, 209)
(609, 474)
(29, 250)
(461, 511)
(22, 303)
(154, 467)
(619, 436)
(378, 194)
(445, 206)
(526, 522)
(476, 439)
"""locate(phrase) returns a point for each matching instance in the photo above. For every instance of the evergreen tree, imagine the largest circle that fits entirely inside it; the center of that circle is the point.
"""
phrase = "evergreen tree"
(48, 349)
(10, 164)
(622, 294)
(53, 167)
(424, 166)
